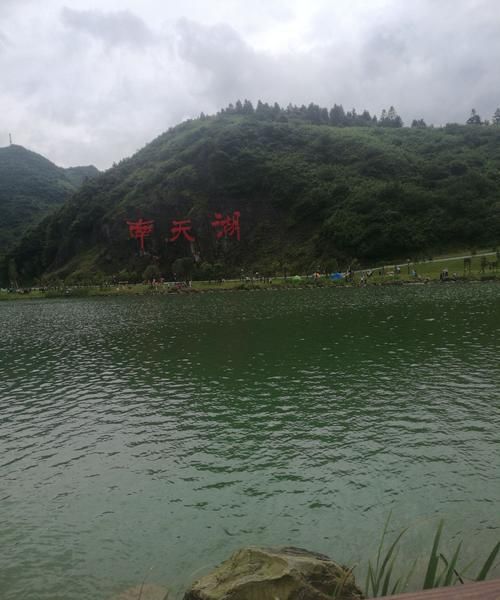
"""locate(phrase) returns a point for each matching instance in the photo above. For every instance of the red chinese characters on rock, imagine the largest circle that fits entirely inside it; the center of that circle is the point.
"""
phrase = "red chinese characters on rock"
(140, 230)
(227, 226)
(181, 228)
(224, 226)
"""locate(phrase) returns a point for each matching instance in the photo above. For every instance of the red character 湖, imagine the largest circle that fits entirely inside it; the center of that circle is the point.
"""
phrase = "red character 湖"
(227, 226)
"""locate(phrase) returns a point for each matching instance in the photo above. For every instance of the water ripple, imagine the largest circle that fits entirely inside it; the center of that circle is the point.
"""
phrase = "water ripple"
(181, 428)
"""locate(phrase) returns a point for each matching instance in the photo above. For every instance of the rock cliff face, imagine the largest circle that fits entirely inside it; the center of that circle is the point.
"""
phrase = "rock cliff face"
(276, 574)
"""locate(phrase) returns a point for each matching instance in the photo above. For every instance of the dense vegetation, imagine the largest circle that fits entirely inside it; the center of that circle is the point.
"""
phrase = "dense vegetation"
(30, 187)
(312, 192)
(77, 176)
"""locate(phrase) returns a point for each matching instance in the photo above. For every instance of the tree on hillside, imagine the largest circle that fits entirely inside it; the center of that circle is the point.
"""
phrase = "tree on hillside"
(248, 108)
(365, 118)
(474, 118)
(325, 119)
(151, 272)
(351, 116)
(337, 115)
(496, 117)
(419, 123)
(314, 113)
(276, 111)
(263, 110)
(182, 268)
(390, 118)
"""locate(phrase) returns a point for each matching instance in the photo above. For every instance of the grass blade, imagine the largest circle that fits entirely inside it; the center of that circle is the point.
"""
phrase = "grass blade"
(448, 580)
(387, 580)
(367, 580)
(430, 575)
(488, 564)
(464, 570)
(440, 578)
(379, 575)
(395, 588)
(384, 533)
(390, 551)
(370, 579)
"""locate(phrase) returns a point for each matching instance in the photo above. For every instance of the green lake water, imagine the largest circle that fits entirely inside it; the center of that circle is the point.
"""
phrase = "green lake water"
(154, 436)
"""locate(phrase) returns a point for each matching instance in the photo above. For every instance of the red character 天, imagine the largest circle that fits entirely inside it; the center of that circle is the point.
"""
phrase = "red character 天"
(181, 228)
(227, 226)
(139, 230)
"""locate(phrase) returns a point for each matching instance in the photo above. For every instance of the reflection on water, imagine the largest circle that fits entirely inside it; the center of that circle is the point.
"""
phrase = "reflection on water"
(166, 432)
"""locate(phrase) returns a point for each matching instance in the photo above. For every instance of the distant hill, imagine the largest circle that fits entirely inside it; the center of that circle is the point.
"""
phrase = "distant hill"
(311, 195)
(79, 175)
(30, 188)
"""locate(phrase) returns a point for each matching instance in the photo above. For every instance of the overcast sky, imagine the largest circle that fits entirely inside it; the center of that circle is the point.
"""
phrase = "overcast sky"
(92, 81)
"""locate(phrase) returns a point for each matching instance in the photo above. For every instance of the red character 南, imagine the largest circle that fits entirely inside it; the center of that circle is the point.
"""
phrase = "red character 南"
(139, 230)
(227, 226)
(181, 228)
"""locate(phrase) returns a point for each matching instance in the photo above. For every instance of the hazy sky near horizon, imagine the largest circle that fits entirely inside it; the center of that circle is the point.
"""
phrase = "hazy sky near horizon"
(92, 81)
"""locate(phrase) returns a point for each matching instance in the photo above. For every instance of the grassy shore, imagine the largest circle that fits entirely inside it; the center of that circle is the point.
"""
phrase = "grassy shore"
(422, 273)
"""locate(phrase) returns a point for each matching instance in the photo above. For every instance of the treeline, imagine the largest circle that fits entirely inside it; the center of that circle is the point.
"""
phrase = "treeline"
(336, 116)
(475, 118)
(313, 113)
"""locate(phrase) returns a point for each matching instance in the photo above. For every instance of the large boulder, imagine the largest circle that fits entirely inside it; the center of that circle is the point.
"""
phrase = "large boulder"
(276, 574)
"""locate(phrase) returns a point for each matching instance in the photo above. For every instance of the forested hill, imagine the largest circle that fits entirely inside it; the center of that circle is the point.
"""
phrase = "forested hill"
(308, 195)
(30, 187)
(79, 175)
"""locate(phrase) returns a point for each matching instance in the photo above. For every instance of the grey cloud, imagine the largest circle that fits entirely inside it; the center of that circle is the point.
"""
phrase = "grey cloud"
(218, 51)
(225, 62)
(226, 67)
(210, 46)
(70, 98)
(431, 60)
(4, 40)
(114, 28)
(383, 52)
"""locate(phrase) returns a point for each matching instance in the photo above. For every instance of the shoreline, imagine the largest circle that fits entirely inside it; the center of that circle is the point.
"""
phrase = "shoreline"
(196, 287)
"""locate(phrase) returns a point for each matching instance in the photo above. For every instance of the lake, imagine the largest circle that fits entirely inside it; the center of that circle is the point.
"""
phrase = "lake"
(153, 436)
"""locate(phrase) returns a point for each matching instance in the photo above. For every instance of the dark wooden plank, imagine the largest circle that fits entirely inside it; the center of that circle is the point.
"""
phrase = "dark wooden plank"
(483, 590)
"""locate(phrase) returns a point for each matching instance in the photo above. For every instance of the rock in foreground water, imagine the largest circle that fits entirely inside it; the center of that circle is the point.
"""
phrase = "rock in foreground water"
(276, 574)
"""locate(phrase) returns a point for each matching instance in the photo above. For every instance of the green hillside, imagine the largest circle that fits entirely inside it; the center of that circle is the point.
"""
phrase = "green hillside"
(30, 188)
(309, 194)
(79, 175)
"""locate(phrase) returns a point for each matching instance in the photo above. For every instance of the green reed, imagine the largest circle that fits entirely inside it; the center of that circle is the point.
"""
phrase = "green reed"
(440, 572)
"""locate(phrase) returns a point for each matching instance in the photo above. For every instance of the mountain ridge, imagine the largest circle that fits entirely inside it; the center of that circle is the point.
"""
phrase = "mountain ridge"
(31, 186)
